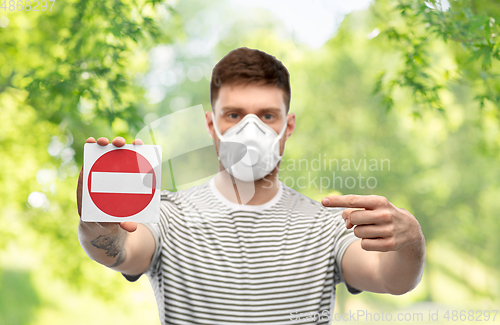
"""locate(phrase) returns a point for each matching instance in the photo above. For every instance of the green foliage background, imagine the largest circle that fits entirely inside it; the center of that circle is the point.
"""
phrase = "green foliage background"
(404, 81)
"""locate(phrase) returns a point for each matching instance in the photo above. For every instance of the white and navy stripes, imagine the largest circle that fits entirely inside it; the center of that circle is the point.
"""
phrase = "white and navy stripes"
(220, 263)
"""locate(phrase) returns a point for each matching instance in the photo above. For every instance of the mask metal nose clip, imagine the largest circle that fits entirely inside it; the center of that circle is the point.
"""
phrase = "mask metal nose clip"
(255, 127)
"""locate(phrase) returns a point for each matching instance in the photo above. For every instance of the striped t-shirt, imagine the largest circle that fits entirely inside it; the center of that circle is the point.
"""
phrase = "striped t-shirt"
(217, 262)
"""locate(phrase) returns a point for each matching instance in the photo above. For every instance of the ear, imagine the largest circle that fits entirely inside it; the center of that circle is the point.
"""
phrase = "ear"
(291, 125)
(209, 124)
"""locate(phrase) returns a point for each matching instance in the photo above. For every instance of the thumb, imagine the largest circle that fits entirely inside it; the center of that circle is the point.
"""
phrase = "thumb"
(346, 214)
(129, 226)
(79, 185)
(79, 192)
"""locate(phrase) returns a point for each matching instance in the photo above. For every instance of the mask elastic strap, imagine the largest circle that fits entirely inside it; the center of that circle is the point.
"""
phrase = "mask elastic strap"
(280, 135)
(216, 128)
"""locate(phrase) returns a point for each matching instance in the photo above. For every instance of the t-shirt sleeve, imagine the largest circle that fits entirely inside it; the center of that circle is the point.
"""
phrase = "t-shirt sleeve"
(343, 238)
(155, 230)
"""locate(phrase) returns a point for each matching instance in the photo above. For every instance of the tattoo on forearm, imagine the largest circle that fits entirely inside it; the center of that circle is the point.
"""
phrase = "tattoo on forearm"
(113, 245)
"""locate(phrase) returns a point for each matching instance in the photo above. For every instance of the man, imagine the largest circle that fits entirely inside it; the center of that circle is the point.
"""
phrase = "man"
(245, 248)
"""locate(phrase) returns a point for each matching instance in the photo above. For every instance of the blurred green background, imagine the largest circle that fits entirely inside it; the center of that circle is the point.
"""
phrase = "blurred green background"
(410, 82)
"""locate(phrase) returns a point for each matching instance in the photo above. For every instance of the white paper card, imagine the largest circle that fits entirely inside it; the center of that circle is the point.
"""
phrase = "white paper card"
(121, 183)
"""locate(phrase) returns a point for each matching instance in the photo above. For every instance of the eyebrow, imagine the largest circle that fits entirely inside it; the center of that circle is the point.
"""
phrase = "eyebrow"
(239, 109)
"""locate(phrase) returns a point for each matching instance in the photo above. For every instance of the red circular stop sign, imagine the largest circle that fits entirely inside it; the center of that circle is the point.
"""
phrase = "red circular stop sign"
(129, 164)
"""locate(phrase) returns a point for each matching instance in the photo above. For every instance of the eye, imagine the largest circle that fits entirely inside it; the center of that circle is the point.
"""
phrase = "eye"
(233, 115)
(268, 117)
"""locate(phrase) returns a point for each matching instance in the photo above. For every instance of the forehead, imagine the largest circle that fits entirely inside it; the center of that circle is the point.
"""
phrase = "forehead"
(250, 98)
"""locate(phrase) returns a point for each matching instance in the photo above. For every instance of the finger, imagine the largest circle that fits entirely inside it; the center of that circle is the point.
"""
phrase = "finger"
(119, 142)
(378, 244)
(367, 217)
(80, 183)
(129, 226)
(79, 187)
(137, 141)
(345, 216)
(103, 141)
(373, 231)
(354, 201)
(347, 212)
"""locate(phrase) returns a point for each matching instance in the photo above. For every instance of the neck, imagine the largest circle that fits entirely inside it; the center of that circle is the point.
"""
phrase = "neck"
(250, 193)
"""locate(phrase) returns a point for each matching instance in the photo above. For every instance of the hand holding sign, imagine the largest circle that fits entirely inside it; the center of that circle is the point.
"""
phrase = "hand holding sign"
(381, 226)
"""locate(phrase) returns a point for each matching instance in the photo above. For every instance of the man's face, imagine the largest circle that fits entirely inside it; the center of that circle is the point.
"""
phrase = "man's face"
(236, 101)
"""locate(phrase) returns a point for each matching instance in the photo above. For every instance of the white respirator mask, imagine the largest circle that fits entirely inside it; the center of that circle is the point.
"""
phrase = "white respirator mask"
(249, 150)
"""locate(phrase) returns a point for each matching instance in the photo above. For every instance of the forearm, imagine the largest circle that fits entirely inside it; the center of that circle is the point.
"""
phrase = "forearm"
(104, 244)
(401, 270)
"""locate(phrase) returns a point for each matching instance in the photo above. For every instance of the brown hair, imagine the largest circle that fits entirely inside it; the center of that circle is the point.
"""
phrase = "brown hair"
(249, 66)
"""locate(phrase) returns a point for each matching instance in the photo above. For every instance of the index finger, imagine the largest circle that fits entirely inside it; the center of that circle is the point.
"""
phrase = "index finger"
(369, 202)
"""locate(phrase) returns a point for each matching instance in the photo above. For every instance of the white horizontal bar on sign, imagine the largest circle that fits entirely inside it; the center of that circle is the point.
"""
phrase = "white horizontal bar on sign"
(132, 183)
